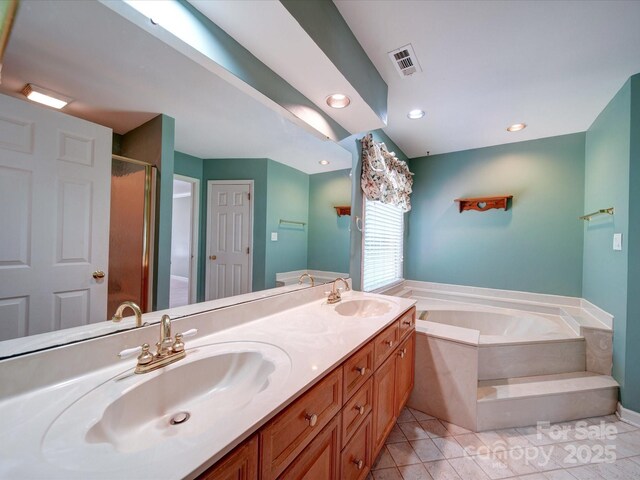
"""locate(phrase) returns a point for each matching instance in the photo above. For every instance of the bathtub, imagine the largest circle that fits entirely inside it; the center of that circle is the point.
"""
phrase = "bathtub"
(497, 325)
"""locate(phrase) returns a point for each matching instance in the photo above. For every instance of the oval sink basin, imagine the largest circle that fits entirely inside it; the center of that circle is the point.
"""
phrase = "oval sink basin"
(367, 307)
(131, 413)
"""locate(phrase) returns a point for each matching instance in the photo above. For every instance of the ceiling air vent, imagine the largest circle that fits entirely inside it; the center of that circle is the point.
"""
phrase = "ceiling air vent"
(405, 61)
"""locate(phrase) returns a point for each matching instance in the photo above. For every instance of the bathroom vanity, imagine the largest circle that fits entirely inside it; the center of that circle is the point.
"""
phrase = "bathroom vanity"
(281, 387)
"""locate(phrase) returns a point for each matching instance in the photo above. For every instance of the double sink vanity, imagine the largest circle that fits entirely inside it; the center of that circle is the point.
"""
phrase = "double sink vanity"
(282, 387)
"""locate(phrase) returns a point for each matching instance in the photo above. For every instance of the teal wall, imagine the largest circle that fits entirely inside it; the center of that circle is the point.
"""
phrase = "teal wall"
(353, 145)
(287, 199)
(244, 169)
(329, 234)
(612, 278)
(535, 246)
(631, 390)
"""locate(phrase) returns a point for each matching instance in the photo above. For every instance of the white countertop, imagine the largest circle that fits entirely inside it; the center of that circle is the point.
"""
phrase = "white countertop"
(314, 337)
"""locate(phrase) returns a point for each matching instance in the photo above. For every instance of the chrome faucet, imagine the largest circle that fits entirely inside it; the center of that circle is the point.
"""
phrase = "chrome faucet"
(334, 296)
(309, 276)
(136, 311)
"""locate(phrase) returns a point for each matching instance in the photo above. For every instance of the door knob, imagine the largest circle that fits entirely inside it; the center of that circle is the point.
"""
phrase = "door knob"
(98, 274)
(212, 257)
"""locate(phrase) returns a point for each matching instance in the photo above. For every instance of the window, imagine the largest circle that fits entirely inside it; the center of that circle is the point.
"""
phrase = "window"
(382, 249)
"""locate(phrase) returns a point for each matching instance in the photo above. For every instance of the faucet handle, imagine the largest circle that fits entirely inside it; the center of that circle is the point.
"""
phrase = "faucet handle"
(178, 345)
(189, 333)
(130, 352)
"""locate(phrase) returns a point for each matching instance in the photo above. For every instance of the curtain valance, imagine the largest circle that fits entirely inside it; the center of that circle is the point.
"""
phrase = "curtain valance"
(385, 178)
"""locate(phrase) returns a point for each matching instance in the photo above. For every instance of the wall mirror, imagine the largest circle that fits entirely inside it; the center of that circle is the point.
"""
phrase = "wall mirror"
(159, 182)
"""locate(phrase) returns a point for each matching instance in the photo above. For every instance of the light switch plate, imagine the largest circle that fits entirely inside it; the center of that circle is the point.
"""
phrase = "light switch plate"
(617, 241)
(274, 236)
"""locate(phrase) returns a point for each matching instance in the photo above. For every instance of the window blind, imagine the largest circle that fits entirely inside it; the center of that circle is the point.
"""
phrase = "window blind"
(382, 254)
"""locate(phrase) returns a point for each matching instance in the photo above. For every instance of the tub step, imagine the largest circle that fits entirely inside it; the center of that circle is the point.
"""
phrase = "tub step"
(524, 401)
(527, 359)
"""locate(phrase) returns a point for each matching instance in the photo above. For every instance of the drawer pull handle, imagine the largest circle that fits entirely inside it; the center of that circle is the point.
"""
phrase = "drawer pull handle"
(407, 322)
(402, 352)
(360, 409)
(361, 370)
(359, 464)
(389, 343)
(312, 418)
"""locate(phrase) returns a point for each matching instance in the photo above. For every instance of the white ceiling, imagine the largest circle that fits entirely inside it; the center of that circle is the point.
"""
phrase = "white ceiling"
(121, 76)
(488, 64)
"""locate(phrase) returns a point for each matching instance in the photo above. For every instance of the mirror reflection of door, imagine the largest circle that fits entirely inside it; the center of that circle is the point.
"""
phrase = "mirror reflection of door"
(229, 238)
(54, 210)
(184, 241)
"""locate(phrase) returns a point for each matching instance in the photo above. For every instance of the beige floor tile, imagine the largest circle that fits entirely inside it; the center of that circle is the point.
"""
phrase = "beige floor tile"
(384, 460)
(533, 476)
(396, 435)
(472, 444)
(517, 461)
(406, 416)
(493, 467)
(541, 458)
(512, 438)
(468, 469)
(558, 475)
(414, 472)
(493, 440)
(620, 470)
(449, 447)
(403, 454)
(427, 450)
(586, 472)
(635, 459)
(537, 436)
(441, 470)
(387, 474)
(454, 429)
(434, 428)
(413, 431)
(420, 416)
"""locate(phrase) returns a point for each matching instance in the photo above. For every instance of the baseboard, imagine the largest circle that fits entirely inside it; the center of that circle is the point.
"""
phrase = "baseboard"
(628, 416)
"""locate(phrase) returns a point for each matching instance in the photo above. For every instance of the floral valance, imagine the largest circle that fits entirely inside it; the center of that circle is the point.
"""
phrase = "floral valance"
(385, 178)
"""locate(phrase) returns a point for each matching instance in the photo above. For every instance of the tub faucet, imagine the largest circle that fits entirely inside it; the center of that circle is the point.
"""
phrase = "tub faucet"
(309, 276)
(334, 296)
(136, 311)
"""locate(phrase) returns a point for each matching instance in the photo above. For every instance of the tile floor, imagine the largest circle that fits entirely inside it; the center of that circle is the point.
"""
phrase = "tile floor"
(421, 447)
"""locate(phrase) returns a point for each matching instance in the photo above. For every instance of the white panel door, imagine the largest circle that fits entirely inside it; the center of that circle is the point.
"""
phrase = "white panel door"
(55, 173)
(228, 239)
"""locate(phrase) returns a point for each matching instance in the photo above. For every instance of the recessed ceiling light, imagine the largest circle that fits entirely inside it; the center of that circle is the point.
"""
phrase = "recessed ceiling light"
(324, 162)
(45, 96)
(415, 114)
(516, 127)
(338, 100)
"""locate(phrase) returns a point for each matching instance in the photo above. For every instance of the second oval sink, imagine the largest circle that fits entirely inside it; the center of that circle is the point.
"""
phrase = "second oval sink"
(367, 307)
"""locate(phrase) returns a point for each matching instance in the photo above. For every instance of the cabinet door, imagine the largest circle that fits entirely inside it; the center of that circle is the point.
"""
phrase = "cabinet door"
(321, 459)
(405, 368)
(240, 464)
(384, 414)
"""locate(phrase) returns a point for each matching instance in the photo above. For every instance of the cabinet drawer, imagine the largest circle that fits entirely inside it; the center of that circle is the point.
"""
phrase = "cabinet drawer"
(356, 456)
(291, 431)
(357, 369)
(240, 464)
(356, 410)
(385, 343)
(407, 322)
(321, 459)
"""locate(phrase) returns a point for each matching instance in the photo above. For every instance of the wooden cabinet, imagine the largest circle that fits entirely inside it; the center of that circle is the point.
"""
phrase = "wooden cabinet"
(355, 411)
(385, 343)
(405, 368)
(384, 407)
(284, 438)
(321, 459)
(357, 370)
(240, 464)
(357, 454)
(336, 429)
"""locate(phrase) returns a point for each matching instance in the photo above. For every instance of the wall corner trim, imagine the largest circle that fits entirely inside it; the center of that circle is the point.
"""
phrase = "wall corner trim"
(629, 416)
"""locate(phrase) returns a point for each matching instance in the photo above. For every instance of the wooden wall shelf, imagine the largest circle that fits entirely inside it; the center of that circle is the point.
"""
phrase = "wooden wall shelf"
(343, 210)
(483, 204)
